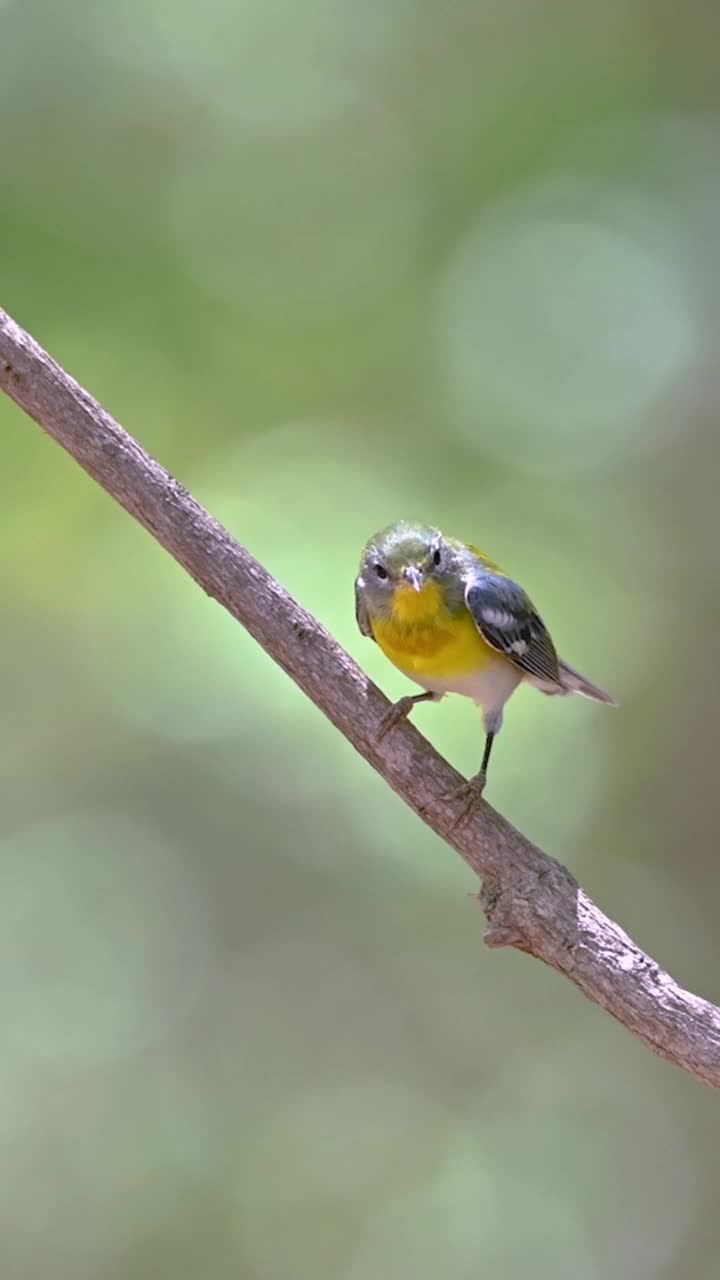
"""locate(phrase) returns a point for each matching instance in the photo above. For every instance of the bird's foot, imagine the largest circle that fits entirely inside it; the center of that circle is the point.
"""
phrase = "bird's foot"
(469, 794)
(399, 711)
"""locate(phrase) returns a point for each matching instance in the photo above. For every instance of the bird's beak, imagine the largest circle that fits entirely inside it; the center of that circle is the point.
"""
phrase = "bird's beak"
(413, 576)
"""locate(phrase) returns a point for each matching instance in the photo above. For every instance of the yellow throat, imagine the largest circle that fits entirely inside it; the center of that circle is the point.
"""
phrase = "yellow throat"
(422, 637)
(424, 606)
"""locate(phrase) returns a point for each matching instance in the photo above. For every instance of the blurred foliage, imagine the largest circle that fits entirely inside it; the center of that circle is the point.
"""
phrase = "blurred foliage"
(335, 264)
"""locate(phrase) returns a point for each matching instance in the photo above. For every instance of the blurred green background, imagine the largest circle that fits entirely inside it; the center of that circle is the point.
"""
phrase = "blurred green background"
(336, 263)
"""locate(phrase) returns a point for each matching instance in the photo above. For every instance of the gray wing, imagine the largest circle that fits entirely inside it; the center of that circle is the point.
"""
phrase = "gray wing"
(361, 612)
(506, 618)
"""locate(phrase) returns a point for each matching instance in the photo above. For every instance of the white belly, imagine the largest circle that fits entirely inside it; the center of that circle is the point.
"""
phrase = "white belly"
(489, 687)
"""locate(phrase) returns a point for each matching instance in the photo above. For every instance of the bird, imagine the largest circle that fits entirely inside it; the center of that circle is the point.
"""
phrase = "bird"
(453, 622)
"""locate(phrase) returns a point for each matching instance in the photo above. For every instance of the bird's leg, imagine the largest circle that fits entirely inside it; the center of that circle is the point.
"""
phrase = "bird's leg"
(401, 709)
(471, 791)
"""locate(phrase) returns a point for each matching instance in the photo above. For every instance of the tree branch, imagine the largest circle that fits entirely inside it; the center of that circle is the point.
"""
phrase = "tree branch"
(530, 900)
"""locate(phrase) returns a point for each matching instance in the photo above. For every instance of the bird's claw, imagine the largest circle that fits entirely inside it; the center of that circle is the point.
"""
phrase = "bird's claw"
(400, 710)
(470, 792)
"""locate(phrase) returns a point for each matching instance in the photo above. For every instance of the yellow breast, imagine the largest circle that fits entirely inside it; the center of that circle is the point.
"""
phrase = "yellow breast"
(422, 638)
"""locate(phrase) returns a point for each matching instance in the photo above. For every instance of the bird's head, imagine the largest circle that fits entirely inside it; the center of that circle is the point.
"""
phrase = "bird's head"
(410, 571)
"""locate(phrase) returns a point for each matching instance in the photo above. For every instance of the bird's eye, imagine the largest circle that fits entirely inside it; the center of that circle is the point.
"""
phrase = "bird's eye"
(437, 557)
(381, 571)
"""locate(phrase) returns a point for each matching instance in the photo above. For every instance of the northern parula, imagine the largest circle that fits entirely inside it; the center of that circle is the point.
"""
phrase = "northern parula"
(453, 622)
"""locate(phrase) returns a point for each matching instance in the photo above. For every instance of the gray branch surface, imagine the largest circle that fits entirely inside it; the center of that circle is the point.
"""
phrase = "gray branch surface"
(530, 900)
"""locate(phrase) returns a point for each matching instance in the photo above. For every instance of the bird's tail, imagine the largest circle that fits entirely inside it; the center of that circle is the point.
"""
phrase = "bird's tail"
(573, 682)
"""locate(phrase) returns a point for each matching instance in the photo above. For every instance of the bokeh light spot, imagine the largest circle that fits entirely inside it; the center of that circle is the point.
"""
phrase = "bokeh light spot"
(103, 940)
(462, 1213)
(337, 214)
(561, 321)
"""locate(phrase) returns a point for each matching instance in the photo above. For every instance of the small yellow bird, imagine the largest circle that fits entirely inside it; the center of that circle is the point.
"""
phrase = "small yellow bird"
(452, 621)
